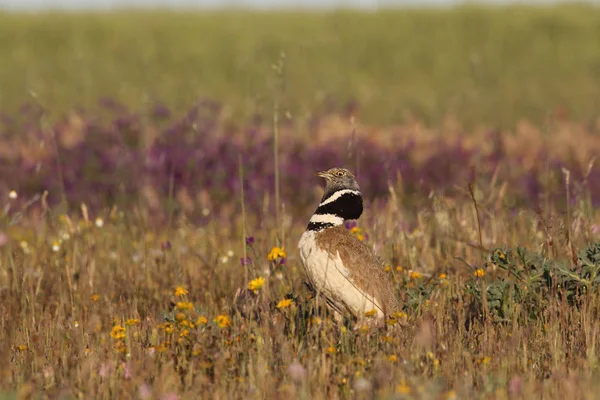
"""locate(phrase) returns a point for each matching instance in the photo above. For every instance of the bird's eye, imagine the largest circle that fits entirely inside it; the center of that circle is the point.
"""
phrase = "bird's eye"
(340, 173)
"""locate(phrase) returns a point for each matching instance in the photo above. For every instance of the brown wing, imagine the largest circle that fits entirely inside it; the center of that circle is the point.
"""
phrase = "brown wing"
(365, 267)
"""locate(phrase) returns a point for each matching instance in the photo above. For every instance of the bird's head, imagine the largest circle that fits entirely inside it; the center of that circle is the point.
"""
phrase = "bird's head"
(338, 179)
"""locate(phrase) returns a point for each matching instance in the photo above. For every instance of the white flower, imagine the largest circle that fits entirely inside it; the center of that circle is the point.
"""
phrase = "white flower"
(296, 371)
(12, 195)
(65, 236)
(230, 253)
(56, 246)
(362, 385)
(205, 212)
(224, 259)
(99, 222)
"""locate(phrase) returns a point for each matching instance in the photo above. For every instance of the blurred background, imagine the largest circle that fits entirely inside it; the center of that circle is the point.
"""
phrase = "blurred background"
(158, 101)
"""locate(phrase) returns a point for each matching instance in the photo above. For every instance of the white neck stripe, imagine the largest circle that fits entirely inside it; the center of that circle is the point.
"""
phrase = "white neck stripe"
(338, 194)
(327, 219)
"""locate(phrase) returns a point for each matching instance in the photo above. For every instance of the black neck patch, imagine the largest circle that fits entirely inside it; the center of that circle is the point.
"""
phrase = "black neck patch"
(348, 206)
(318, 226)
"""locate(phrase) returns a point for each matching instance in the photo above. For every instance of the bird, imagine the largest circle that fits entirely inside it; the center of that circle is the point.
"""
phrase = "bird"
(340, 267)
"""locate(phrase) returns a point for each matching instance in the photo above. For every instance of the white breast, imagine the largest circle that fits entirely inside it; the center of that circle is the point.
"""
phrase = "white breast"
(329, 276)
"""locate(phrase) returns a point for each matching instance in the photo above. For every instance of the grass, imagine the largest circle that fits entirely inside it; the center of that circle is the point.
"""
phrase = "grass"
(112, 305)
(487, 65)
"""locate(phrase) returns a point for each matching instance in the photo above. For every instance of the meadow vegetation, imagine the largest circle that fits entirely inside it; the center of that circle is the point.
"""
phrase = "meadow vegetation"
(486, 65)
(145, 251)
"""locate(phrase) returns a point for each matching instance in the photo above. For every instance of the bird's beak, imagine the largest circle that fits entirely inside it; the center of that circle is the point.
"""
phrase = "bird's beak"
(323, 174)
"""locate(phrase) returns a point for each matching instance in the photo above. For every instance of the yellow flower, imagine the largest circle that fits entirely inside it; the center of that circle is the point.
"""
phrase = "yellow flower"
(275, 253)
(202, 320)
(403, 388)
(160, 348)
(399, 268)
(415, 275)
(371, 313)
(391, 321)
(183, 305)
(22, 347)
(132, 321)
(222, 321)
(443, 276)
(393, 358)
(179, 317)
(184, 333)
(284, 303)
(256, 284)
(387, 268)
(484, 360)
(186, 324)
(95, 297)
(331, 350)
(167, 326)
(399, 315)
(117, 332)
(357, 233)
(480, 273)
(180, 291)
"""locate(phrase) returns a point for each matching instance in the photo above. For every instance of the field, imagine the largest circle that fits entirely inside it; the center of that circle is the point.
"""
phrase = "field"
(155, 180)
(486, 66)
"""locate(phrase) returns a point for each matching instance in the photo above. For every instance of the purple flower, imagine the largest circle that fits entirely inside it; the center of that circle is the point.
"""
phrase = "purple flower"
(246, 261)
(350, 224)
(250, 240)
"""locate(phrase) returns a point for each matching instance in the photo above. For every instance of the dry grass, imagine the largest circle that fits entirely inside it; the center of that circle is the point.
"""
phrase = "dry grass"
(84, 310)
